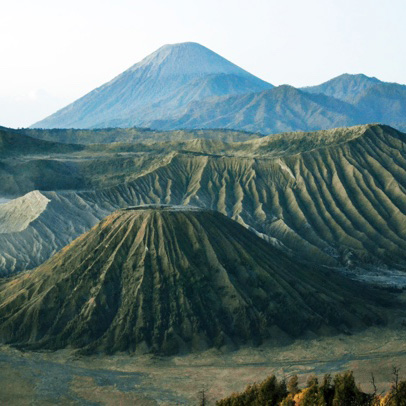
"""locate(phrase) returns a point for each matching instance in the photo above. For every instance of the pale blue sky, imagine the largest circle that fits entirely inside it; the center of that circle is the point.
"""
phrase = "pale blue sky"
(54, 51)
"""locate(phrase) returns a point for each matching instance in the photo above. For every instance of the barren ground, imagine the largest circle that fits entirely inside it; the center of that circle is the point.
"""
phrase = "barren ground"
(29, 378)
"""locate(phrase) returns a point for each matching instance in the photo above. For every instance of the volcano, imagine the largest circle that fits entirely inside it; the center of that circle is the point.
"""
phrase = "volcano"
(155, 88)
(169, 279)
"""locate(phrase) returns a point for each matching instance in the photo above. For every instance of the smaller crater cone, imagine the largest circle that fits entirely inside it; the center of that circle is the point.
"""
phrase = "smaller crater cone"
(169, 279)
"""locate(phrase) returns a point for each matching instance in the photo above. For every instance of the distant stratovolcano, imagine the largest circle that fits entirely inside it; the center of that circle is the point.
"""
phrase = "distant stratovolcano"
(157, 87)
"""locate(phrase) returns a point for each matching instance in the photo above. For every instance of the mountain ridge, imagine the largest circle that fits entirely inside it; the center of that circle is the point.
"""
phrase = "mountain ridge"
(340, 204)
(344, 87)
(280, 109)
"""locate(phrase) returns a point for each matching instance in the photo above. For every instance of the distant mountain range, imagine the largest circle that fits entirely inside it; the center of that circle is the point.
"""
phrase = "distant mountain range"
(187, 86)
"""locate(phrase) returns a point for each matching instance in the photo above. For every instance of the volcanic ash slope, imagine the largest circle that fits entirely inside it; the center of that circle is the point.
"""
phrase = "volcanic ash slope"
(171, 279)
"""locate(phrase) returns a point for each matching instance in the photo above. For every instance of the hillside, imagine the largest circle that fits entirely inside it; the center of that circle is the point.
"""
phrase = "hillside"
(333, 197)
(13, 143)
(345, 87)
(28, 163)
(134, 134)
(169, 279)
(346, 101)
(385, 102)
(281, 109)
(372, 100)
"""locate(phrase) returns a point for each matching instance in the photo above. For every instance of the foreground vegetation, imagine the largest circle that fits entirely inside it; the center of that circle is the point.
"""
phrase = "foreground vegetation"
(342, 390)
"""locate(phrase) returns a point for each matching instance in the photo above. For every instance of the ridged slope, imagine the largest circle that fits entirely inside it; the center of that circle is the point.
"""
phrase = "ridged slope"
(28, 164)
(345, 87)
(336, 197)
(280, 109)
(20, 213)
(372, 100)
(385, 103)
(169, 279)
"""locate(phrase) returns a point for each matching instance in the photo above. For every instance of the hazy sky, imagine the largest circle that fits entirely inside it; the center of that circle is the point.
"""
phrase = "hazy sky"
(54, 51)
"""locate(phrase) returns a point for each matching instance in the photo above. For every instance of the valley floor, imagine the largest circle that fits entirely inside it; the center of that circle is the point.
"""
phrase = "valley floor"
(48, 378)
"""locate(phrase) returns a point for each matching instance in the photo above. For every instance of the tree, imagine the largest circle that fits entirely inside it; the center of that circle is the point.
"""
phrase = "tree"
(288, 401)
(346, 391)
(395, 385)
(293, 385)
(397, 394)
(203, 398)
(268, 393)
(312, 380)
(327, 389)
(401, 394)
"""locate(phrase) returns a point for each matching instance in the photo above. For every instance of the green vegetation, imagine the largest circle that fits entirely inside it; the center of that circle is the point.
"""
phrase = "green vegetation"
(341, 390)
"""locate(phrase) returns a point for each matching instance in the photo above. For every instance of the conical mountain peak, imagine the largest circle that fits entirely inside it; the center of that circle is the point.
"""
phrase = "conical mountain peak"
(166, 279)
(188, 58)
(160, 84)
